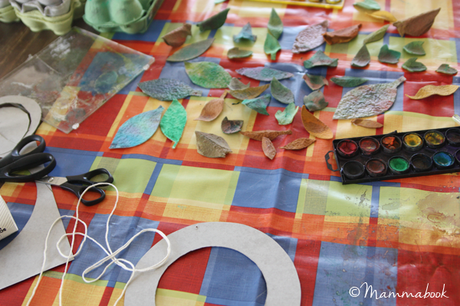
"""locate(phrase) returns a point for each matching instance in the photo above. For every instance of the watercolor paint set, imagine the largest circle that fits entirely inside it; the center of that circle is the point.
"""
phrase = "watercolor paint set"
(397, 155)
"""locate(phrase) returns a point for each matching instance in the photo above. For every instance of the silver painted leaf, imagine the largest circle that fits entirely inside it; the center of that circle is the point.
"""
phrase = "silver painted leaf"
(167, 89)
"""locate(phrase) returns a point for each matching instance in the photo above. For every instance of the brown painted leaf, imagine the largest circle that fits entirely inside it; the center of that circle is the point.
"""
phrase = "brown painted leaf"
(231, 126)
(270, 134)
(268, 148)
(211, 145)
(342, 36)
(249, 93)
(314, 126)
(299, 144)
(177, 37)
(369, 124)
(417, 25)
(212, 109)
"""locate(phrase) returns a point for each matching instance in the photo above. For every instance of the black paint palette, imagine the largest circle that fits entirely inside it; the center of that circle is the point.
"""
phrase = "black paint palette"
(397, 155)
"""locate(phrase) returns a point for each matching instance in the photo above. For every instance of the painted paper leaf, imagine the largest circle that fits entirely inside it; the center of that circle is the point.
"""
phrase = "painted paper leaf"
(173, 122)
(177, 37)
(415, 48)
(389, 56)
(238, 53)
(214, 22)
(362, 58)
(275, 25)
(368, 5)
(137, 130)
(167, 89)
(348, 81)
(384, 15)
(368, 100)
(219, 1)
(245, 34)
(315, 82)
(264, 74)
(417, 25)
(270, 134)
(429, 90)
(207, 74)
(310, 38)
(258, 104)
(366, 123)
(377, 35)
(211, 145)
(268, 148)
(191, 51)
(342, 36)
(413, 66)
(212, 109)
(231, 126)
(446, 69)
(315, 101)
(249, 93)
(271, 46)
(281, 92)
(320, 59)
(314, 126)
(287, 116)
(236, 84)
(299, 144)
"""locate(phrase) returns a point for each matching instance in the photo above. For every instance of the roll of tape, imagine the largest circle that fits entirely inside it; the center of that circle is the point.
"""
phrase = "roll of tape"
(7, 224)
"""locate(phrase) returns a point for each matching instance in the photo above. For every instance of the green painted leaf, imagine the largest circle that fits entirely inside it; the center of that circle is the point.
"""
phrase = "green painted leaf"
(231, 126)
(238, 53)
(271, 46)
(214, 22)
(320, 59)
(362, 58)
(264, 74)
(348, 81)
(287, 116)
(207, 74)
(446, 69)
(281, 92)
(173, 122)
(412, 65)
(389, 56)
(315, 101)
(245, 34)
(167, 89)
(275, 25)
(258, 104)
(415, 48)
(315, 82)
(191, 51)
(377, 35)
(137, 130)
(368, 5)
(236, 84)
(211, 145)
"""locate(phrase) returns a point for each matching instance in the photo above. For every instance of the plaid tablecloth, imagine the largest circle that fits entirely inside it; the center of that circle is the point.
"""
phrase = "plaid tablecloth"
(397, 236)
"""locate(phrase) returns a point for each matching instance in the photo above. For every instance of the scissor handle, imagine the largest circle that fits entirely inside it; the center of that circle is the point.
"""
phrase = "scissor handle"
(79, 189)
(15, 154)
(27, 162)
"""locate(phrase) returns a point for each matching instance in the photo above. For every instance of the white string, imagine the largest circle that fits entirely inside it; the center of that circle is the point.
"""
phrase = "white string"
(123, 263)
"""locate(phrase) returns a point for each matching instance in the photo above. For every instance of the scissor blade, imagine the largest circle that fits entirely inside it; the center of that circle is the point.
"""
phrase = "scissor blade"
(52, 180)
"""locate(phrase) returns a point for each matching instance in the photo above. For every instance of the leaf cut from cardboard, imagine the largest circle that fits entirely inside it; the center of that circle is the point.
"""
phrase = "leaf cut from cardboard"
(177, 37)
(264, 74)
(417, 25)
(167, 89)
(249, 93)
(281, 92)
(275, 25)
(366, 123)
(207, 74)
(245, 34)
(388, 56)
(362, 58)
(383, 15)
(412, 65)
(191, 51)
(367, 5)
(348, 81)
(368, 100)
(268, 148)
(214, 22)
(377, 35)
(430, 90)
(310, 38)
(320, 59)
(211, 145)
(315, 101)
(299, 144)
(258, 104)
(231, 126)
(314, 126)
(137, 130)
(286, 116)
(446, 69)
(236, 84)
(271, 46)
(173, 122)
(238, 53)
(270, 134)
(415, 48)
(342, 36)
(212, 109)
(315, 82)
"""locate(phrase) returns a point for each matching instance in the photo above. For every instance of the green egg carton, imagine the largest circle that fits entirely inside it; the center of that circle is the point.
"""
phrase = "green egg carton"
(129, 16)
(8, 15)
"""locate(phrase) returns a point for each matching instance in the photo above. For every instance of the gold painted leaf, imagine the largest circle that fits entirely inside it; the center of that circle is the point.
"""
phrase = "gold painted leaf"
(383, 15)
(212, 109)
(270, 134)
(249, 93)
(314, 126)
(429, 90)
(268, 148)
(369, 124)
(299, 144)
(211, 145)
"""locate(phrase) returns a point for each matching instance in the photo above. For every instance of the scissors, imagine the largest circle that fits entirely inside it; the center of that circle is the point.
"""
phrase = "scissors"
(17, 161)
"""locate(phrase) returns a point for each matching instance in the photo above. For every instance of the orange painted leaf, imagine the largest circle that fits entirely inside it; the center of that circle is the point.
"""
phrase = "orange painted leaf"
(270, 134)
(268, 148)
(212, 109)
(177, 37)
(299, 144)
(342, 36)
(369, 124)
(417, 25)
(314, 126)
